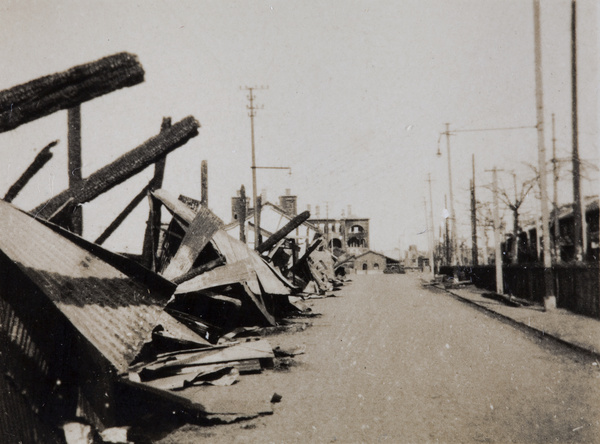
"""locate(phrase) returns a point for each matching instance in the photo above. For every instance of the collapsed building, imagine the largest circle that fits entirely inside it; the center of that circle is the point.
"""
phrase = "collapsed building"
(89, 334)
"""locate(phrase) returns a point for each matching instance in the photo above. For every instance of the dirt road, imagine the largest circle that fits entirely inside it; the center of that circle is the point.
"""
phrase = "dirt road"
(389, 361)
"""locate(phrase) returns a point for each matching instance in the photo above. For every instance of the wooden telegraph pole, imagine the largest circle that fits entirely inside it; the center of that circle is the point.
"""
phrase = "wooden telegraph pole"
(252, 113)
(549, 297)
(497, 234)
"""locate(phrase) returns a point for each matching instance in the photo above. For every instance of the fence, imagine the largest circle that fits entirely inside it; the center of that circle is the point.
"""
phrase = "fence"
(576, 286)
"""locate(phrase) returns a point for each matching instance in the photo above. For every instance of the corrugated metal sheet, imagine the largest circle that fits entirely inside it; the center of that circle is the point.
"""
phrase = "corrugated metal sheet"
(114, 312)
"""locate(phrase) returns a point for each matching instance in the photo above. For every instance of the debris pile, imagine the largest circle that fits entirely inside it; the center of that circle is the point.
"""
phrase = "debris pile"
(97, 341)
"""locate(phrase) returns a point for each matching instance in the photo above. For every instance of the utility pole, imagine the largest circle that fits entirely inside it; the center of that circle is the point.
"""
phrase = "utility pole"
(555, 196)
(577, 210)
(452, 213)
(474, 249)
(497, 246)
(432, 237)
(429, 239)
(549, 297)
(327, 225)
(252, 113)
(447, 233)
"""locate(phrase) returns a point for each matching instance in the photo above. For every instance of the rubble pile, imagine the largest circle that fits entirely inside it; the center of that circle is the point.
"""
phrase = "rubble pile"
(95, 342)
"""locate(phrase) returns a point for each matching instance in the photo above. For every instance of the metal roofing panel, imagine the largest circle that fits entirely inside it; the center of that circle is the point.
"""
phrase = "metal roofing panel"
(113, 311)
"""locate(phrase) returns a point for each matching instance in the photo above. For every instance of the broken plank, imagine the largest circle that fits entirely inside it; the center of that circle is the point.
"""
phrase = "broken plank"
(260, 349)
(199, 233)
(175, 206)
(124, 167)
(226, 274)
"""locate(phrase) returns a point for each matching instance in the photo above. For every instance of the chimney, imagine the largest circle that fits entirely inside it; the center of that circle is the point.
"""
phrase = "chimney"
(349, 210)
(289, 204)
(317, 212)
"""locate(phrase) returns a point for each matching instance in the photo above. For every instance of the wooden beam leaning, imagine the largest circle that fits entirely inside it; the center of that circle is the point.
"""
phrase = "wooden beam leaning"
(123, 215)
(124, 167)
(46, 95)
(40, 160)
(312, 247)
(283, 231)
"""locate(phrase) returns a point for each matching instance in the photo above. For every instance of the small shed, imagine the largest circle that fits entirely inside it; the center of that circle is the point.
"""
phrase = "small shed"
(372, 262)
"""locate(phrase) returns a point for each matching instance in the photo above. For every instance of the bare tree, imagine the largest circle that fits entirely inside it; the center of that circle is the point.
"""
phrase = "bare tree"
(514, 204)
(485, 220)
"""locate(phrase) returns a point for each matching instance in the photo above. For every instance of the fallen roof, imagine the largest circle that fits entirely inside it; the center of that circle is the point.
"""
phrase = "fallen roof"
(230, 248)
(113, 311)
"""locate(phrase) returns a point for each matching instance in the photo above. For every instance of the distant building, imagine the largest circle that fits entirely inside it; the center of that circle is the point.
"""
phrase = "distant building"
(415, 258)
(347, 233)
(372, 262)
(272, 218)
(530, 242)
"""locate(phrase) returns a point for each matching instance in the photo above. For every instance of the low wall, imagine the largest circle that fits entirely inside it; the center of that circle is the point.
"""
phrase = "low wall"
(576, 286)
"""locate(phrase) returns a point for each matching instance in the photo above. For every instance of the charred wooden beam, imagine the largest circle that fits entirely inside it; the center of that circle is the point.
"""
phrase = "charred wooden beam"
(241, 211)
(257, 231)
(283, 231)
(312, 247)
(204, 183)
(74, 162)
(40, 160)
(124, 167)
(46, 95)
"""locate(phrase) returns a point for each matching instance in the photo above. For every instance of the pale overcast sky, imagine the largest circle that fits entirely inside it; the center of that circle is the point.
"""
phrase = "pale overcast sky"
(359, 92)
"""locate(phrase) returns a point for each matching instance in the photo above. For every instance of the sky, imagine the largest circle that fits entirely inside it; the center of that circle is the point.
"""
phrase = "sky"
(356, 95)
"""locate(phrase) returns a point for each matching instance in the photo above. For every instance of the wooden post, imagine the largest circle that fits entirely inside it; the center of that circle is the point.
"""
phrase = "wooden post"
(257, 212)
(242, 213)
(152, 234)
(204, 183)
(74, 163)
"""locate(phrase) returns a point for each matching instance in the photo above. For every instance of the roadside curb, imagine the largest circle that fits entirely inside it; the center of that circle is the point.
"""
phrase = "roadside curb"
(509, 320)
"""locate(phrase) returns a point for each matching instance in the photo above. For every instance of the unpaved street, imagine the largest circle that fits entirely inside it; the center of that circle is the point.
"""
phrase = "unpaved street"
(389, 361)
